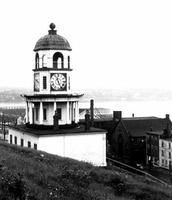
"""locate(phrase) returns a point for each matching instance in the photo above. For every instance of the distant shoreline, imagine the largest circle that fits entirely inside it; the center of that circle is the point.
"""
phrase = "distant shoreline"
(128, 108)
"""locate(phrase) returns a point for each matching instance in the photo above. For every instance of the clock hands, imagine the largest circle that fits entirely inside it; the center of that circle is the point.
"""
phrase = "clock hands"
(58, 81)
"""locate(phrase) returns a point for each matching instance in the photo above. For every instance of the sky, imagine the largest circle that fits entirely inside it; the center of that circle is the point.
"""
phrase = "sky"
(116, 44)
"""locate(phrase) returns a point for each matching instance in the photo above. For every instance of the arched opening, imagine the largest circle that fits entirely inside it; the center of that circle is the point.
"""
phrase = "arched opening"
(37, 61)
(58, 61)
(43, 61)
(68, 59)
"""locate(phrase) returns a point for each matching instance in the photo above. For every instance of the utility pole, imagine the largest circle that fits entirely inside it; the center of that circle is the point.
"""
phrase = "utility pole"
(3, 125)
(92, 111)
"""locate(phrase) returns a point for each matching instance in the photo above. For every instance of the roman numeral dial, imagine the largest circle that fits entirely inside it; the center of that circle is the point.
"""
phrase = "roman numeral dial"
(58, 82)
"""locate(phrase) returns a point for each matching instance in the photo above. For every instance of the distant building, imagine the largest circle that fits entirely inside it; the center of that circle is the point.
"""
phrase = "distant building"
(52, 111)
(152, 145)
(99, 113)
(165, 153)
(129, 136)
(158, 144)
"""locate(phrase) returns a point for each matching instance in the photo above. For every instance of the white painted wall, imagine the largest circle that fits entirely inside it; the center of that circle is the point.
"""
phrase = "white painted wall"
(48, 75)
(90, 147)
(22, 135)
(165, 158)
(49, 57)
(48, 62)
(50, 112)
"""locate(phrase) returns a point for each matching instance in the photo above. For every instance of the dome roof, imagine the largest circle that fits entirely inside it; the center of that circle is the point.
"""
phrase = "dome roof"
(52, 41)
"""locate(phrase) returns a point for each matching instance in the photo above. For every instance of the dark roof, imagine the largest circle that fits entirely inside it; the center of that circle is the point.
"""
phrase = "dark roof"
(154, 132)
(53, 95)
(138, 126)
(44, 132)
(52, 41)
(167, 139)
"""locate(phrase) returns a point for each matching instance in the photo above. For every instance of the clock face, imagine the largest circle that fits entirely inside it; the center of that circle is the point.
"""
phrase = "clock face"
(36, 82)
(58, 81)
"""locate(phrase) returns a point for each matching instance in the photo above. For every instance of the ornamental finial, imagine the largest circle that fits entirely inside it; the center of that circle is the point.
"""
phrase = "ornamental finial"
(52, 31)
(52, 26)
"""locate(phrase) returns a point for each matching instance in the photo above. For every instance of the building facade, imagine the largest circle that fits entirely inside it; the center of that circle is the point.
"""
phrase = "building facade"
(131, 142)
(165, 153)
(158, 144)
(52, 111)
(52, 82)
(76, 143)
(152, 147)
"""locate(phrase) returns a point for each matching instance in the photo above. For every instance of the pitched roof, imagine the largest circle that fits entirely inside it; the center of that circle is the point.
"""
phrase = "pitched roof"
(138, 126)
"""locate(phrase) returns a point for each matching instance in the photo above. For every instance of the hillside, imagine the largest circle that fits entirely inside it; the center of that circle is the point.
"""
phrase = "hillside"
(34, 175)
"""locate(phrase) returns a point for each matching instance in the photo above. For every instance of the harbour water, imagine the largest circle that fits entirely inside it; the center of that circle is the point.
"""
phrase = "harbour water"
(138, 108)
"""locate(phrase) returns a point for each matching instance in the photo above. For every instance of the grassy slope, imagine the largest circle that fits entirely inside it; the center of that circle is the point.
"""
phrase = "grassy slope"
(29, 174)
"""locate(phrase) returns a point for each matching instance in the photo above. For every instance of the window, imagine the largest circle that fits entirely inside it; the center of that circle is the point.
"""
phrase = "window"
(59, 113)
(162, 144)
(169, 145)
(37, 61)
(69, 82)
(162, 161)
(37, 115)
(11, 139)
(15, 140)
(44, 82)
(21, 142)
(166, 163)
(29, 144)
(43, 60)
(45, 114)
(58, 60)
(169, 155)
(162, 153)
(35, 146)
(68, 58)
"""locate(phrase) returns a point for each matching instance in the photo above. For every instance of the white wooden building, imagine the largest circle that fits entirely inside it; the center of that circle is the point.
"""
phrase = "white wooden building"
(58, 133)
(165, 153)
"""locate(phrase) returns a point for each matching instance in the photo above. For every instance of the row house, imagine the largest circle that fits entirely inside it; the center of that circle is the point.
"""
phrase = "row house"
(165, 153)
(159, 145)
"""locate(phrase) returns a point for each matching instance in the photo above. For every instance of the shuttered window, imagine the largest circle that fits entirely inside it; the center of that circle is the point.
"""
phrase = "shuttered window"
(11, 139)
(15, 140)
(44, 82)
(45, 114)
(29, 144)
(21, 142)
(35, 146)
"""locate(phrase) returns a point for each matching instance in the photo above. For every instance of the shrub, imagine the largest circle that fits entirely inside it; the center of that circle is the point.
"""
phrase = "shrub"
(12, 185)
(79, 177)
(109, 178)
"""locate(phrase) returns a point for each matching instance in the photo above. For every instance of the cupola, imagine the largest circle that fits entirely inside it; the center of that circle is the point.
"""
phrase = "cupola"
(52, 41)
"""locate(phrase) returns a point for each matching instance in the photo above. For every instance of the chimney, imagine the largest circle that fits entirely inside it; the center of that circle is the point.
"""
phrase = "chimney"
(56, 121)
(117, 115)
(87, 121)
(167, 116)
(92, 111)
(167, 131)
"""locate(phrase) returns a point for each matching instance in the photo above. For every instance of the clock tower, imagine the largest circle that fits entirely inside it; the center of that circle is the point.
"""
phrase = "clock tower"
(52, 83)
